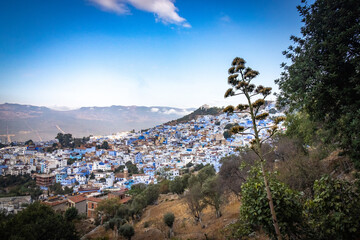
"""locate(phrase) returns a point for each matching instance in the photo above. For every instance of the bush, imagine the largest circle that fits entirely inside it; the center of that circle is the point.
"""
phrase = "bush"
(177, 186)
(146, 224)
(127, 231)
(71, 214)
(255, 209)
(334, 211)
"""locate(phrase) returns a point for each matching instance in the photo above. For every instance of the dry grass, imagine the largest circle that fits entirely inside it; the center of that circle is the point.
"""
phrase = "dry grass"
(184, 226)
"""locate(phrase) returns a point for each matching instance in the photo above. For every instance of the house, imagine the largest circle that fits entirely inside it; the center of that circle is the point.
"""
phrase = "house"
(92, 204)
(44, 180)
(78, 202)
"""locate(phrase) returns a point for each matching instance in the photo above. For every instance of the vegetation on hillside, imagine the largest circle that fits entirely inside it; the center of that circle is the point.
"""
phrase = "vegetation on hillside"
(198, 112)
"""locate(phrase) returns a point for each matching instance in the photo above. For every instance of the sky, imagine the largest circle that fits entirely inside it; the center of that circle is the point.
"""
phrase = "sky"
(74, 53)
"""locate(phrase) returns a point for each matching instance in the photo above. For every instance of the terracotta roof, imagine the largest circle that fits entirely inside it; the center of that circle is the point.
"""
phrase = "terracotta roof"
(54, 203)
(77, 199)
(125, 200)
(93, 199)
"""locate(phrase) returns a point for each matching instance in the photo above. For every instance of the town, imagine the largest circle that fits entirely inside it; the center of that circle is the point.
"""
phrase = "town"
(107, 166)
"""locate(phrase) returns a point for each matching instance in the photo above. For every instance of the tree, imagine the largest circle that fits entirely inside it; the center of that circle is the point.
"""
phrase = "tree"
(71, 214)
(212, 194)
(169, 219)
(29, 142)
(108, 207)
(151, 193)
(127, 231)
(38, 221)
(240, 78)
(115, 223)
(176, 186)
(64, 139)
(137, 205)
(35, 193)
(92, 176)
(105, 145)
(322, 78)
(164, 186)
(195, 201)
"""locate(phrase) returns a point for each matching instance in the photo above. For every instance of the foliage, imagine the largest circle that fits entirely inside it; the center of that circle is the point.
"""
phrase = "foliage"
(38, 222)
(300, 126)
(132, 169)
(233, 172)
(297, 167)
(205, 173)
(185, 180)
(57, 189)
(197, 167)
(198, 112)
(137, 189)
(164, 186)
(105, 145)
(238, 230)
(213, 196)
(323, 77)
(151, 193)
(255, 210)
(71, 214)
(127, 231)
(194, 199)
(11, 185)
(65, 140)
(227, 134)
(240, 79)
(108, 207)
(169, 219)
(335, 209)
(177, 185)
(29, 142)
(138, 204)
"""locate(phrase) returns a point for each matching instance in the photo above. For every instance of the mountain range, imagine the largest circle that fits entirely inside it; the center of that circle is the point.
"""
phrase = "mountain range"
(24, 122)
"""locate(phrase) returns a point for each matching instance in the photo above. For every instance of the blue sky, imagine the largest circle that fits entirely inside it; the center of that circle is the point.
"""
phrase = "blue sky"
(137, 52)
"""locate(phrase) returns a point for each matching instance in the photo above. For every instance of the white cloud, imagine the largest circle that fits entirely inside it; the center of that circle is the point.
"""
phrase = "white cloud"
(181, 112)
(225, 18)
(164, 10)
(154, 109)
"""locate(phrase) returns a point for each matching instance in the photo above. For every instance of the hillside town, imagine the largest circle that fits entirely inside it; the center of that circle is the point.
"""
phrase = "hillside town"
(95, 172)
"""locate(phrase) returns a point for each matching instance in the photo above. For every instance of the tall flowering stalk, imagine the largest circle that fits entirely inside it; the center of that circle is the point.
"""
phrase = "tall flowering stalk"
(240, 78)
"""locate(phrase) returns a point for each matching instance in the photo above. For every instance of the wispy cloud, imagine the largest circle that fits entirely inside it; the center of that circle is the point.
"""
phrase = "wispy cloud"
(164, 10)
(225, 18)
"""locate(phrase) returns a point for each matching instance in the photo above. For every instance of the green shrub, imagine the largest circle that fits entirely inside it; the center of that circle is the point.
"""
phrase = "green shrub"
(334, 211)
(146, 224)
(255, 209)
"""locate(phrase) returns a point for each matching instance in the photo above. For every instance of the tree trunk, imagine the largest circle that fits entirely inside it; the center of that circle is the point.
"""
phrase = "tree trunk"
(271, 204)
(218, 213)
(170, 232)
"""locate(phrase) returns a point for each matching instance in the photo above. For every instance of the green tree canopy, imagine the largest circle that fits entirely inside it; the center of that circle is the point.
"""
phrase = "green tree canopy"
(38, 222)
(323, 78)
(127, 231)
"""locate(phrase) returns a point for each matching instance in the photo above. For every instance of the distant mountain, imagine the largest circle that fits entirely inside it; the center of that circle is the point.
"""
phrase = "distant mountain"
(203, 110)
(23, 122)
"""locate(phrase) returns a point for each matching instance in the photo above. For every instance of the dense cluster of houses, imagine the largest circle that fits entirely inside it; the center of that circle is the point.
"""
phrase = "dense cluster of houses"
(163, 150)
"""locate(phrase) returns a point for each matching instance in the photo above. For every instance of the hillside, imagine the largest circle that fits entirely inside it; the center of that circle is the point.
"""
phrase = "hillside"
(24, 122)
(184, 227)
(203, 110)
